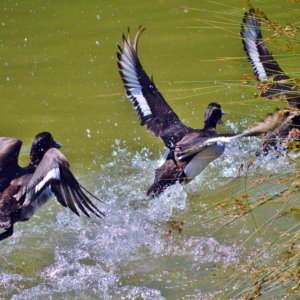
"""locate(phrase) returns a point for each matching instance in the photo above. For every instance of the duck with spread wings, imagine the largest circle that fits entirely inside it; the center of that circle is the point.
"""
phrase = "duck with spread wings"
(189, 150)
(267, 70)
(25, 190)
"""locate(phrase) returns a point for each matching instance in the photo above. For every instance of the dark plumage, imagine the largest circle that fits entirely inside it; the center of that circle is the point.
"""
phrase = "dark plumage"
(9, 154)
(189, 150)
(266, 68)
(25, 190)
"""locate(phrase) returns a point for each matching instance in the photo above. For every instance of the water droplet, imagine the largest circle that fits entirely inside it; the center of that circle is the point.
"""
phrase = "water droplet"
(7, 78)
(25, 40)
(98, 17)
(97, 43)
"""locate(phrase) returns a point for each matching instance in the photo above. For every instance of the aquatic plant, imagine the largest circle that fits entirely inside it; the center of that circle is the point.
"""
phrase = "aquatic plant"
(273, 268)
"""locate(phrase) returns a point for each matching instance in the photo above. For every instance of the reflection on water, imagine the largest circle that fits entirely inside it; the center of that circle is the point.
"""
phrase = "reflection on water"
(59, 74)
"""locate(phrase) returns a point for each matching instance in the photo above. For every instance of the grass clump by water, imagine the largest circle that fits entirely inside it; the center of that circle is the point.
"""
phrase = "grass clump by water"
(273, 270)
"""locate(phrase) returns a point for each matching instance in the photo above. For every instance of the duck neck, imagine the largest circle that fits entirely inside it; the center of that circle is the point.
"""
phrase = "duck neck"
(36, 157)
(210, 125)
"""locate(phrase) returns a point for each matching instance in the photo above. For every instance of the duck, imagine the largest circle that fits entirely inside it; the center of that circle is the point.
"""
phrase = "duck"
(9, 153)
(25, 190)
(267, 70)
(189, 150)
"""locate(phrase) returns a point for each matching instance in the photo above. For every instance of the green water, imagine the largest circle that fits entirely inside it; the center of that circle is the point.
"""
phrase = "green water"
(59, 74)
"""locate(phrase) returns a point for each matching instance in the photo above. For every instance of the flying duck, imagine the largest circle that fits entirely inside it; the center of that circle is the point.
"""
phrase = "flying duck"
(189, 150)
(266, 69)
(25, 190)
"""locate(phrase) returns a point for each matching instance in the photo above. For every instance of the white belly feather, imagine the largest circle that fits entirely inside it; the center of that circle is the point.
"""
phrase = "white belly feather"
(203, 159)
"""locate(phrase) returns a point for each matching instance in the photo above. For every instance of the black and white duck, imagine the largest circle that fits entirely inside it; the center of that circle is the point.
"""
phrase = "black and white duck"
(267, 70)
(189, 150)
(25, 190)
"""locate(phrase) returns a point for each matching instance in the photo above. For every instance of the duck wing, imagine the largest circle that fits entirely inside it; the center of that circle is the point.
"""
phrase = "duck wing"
(9, 167)
(54, 171)
(9, 153)
(151, 107)
(12, 199)
(188, 147)
(261, 60)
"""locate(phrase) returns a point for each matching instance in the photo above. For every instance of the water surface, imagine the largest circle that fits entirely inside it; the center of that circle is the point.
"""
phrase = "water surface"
(59, 74)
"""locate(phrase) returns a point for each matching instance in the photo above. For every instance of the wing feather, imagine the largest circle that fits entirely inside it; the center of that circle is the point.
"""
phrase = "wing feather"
(261, 60)
(54, 171)
(186, 149)
(151, 108)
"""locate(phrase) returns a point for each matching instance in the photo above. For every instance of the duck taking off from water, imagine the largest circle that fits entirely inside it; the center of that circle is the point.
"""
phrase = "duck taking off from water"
(189, 150)
(267, 70)
(25, 190)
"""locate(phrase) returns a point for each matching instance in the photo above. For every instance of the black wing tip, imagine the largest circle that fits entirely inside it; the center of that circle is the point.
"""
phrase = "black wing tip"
(120, 48)
(83, 202)
(92, 195)
(249, 17)
(127, 39)
(89, 205)
(251, 12)
(119, 65)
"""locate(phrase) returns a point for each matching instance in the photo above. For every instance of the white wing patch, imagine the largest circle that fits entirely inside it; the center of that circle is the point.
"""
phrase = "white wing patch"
(52, 174)
(221, 140)
(164, 158)
(137, 94)
(134, 87)
(255, 60)
(250, 41)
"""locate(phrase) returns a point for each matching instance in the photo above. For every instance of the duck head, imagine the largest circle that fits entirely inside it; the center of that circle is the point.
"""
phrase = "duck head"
(213, 115)
(41, 144)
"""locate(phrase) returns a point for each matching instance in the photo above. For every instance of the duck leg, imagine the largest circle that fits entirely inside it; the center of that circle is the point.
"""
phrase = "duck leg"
(7, 233)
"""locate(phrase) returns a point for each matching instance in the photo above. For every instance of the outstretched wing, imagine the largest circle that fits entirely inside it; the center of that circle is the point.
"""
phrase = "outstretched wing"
(261, 60)
(187, 148)
(9, 152)
(152, 109)
(54, 171)
(12, 199)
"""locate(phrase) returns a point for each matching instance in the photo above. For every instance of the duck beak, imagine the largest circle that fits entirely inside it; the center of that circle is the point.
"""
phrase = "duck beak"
(220, 122)
(57, 145)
